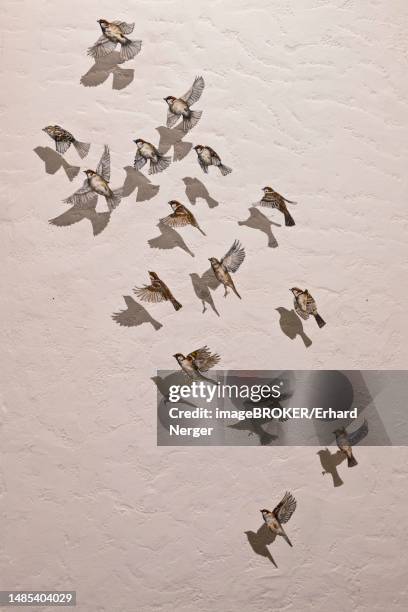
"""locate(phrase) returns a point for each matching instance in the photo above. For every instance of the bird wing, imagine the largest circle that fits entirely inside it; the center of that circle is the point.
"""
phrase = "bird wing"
(139, 162)
(149, 293)
(356, 436)
(102, 47)
(203, 358)
(172, 118)
(234, 258)
(304, 315)
(215, 158)
(62, 146)
(203, 165)
(195, 91)
(82, 195)
(285, 508)
(176, 220)
(269, 200)
(103, 168)
(127, 28)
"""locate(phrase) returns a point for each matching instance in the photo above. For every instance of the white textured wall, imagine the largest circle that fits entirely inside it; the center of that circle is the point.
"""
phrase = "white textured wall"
(306, 95)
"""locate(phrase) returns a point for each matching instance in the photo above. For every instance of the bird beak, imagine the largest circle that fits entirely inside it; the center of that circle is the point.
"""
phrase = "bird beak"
(165, 99)
(209, 259)
(175, 356)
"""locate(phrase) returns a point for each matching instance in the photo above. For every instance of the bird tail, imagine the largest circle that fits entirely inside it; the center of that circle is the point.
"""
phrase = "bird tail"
(289, 220)
(289, 201)
(319, 320)
(192, 120)
(285, 537)
(82, 148)
(351, 461)
(176, 304)
(235, 291)
(224, 169)
(161, 164)
(114, 200)
(129, 49)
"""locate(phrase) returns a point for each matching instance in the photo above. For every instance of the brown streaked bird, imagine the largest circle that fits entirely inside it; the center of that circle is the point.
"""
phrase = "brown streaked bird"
(273, 199)
(97, 183)
(157, 291)
(146, 151)
(343, 443)
(114, 32)
(280, 514)
(63, 140)
(208, 157)
(305, 305)
(181, 217)
(229, 263)
(197, 362)
(180, 107)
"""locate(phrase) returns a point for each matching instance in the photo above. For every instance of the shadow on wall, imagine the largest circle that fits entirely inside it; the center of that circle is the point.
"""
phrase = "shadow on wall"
(105, 66)
(163, 385)
(201, 288)
(173, 138)
(75, 214)
(168, 239)
(134, 315)
(203, 285)
(257, 220)
(136, 180)
(53, 161)
(329, 462)
(195, 189)
(260, 540)
(292, 326)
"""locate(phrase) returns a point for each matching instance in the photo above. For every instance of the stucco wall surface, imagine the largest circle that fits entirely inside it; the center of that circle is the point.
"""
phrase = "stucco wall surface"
(307, 96)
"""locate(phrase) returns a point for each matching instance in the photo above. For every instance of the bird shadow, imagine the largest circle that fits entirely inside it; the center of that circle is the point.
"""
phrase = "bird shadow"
(260, 540)
(292, 326)
(53, 161)
(134, 315)
(168, 239)
(136, 180)
(75, 214)
(173, 138)
(195, 189)
(105, 66)
(257, 220)
(329, 462)
(164, 384)
(201, 285)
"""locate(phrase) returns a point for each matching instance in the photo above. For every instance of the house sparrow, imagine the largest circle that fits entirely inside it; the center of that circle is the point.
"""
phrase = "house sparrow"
(157, 291)
(113, 33)
(273, 199)
(145, 151)
(180, 107)
(343, 442)
(305, 305)
(208, 157)
(96, 183)
(229, 263)
(180, 217)
(280, 514)
(197, 362)
(63, 140)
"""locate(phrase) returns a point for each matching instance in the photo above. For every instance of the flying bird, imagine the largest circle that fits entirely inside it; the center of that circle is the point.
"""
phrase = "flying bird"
(180, 217)
(180, 107)
(157, 291)
(97, 183)
(146, 151)
(197, 362)
(344, 444)
(273, 199)
(229, 263)
(281, 514)
(114, 32)
(208, 157)
(63, 140)
(305, 305)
